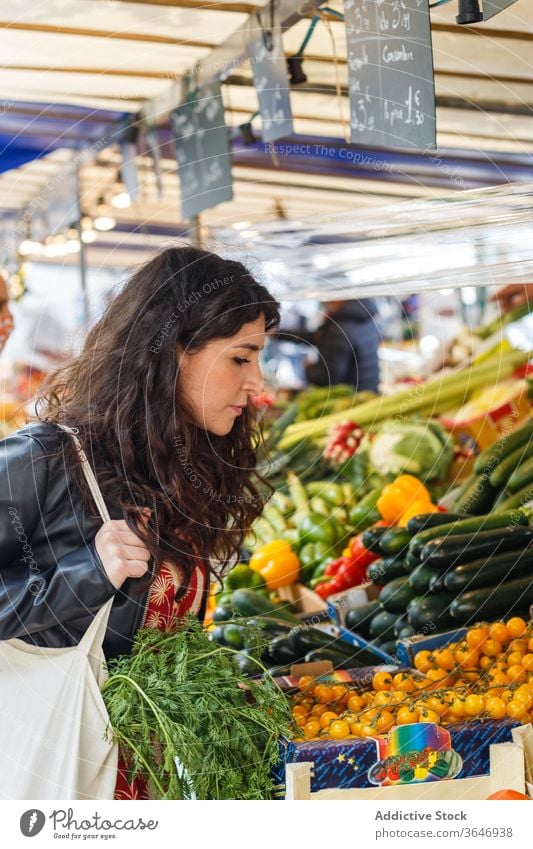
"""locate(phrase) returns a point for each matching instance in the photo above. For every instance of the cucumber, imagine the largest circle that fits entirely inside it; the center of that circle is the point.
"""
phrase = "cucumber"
(394, 540)
(477, 498)
(496, 453)
(396, 595)
(382, 625)
(443, 553)
(358, 618)
(521, 477)
(248, 603)
(420, 577)
(382, 571)
(502, 600)
(502, 519)
(504, 469)
(431, 520)
(487, 572)
(371, 538)
(431, 612)
(406, 632)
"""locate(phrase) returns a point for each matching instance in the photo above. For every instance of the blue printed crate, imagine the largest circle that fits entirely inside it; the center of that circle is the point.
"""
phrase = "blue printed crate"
(407, 648)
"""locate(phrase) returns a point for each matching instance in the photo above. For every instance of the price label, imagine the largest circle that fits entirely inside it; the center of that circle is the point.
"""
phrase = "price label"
(270, 78)
(390, 69)
(202, 151)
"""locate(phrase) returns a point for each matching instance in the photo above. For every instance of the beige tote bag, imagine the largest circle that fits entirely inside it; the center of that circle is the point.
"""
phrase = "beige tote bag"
(53, 720)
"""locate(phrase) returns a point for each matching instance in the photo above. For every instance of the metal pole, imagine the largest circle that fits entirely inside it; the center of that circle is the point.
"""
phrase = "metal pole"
(83, 278)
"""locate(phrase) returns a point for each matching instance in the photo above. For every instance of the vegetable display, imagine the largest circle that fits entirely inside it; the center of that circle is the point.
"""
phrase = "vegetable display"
(486, 676)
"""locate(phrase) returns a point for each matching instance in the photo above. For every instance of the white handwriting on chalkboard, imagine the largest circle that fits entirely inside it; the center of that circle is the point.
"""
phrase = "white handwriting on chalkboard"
(396, 54)
(358, 62)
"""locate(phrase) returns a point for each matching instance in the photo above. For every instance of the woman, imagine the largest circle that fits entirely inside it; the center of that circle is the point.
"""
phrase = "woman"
(160, 396)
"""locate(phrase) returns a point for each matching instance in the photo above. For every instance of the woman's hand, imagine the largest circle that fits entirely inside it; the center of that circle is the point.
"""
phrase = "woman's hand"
(122, 553)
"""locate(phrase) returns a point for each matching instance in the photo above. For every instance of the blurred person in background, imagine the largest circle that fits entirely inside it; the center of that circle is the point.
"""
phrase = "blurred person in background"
(6, 319)
(514, 295)
(347, 344)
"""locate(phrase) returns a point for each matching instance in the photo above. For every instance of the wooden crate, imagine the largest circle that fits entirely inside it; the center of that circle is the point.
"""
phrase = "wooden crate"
(511, 766)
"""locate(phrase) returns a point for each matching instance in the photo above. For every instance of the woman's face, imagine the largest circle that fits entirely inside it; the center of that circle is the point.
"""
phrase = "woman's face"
(219, 380)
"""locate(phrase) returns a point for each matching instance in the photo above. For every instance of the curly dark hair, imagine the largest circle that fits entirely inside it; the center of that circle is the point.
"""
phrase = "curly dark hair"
(122, 393)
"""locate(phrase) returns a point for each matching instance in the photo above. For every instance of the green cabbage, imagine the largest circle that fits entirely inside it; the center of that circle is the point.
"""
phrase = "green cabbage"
(416, 447)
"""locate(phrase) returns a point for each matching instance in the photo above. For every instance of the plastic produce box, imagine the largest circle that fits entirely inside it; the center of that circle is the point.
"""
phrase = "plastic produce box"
(406, 649)
(485, 428)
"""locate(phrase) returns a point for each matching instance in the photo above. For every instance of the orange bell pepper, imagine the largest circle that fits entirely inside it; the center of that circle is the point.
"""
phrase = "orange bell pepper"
(397, 496)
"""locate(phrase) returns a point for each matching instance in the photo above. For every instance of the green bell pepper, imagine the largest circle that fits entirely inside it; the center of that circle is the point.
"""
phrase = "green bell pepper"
(311, 556)
(364, 514)
(317, 528)
(242, 577)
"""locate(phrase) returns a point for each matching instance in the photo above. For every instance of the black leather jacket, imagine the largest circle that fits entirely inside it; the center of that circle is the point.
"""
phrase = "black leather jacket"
(51, 578)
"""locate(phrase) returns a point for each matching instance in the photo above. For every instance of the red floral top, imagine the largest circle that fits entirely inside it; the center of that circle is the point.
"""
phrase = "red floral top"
(162, 612)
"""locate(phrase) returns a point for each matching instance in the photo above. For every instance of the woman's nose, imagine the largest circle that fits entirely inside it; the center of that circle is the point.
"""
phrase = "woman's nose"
(254, 383)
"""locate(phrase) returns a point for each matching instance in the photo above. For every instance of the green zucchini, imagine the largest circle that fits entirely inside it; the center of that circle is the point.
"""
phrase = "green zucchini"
(431, 520)
(516, 501)
(382, 571)
(395, 540)
(419, 578)
(359, 657)
(282, 652)
(371, 538)
(500, 475)
(496, 453)
(399, 625)
(436, 583)
(396, 595)
(410, 562)
(431, 612)
(521, 477)
(502, 519)
(447, 552)
(358, 618)
(487, 572)
(247, 603)
(504, 599)
(388, 646)
(406, 632)
(382, 625)
(305, 638)
(223, 613)
(478, 498)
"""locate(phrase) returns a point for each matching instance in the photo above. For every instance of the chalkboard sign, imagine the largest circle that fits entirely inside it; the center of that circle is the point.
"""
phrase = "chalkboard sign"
(272, 86)
(492, 7)
(202, 151)
(390, 69)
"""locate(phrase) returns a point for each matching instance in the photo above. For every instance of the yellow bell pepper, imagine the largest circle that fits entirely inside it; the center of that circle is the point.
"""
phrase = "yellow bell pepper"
(417, 508)
(277, 564)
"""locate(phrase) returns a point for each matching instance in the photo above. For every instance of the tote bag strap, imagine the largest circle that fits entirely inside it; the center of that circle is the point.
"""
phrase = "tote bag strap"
(94, 635)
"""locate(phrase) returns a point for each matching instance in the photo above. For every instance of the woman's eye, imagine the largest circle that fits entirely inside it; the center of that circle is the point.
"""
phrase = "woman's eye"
(240, 360)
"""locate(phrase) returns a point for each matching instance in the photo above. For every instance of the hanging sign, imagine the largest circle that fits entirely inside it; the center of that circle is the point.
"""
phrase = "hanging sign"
(390, 69)
(202, 150)
(269, 67)
(492, 7)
